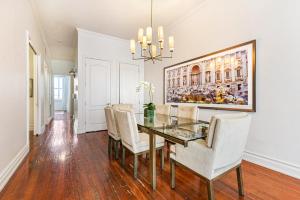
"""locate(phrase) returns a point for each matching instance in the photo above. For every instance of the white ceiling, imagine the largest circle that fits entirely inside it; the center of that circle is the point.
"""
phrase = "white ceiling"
(120, 18)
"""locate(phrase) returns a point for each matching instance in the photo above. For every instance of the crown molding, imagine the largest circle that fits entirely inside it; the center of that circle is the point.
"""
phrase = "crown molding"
(189, 14)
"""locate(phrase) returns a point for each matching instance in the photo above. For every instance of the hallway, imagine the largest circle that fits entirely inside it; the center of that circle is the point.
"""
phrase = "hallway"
(61, 165)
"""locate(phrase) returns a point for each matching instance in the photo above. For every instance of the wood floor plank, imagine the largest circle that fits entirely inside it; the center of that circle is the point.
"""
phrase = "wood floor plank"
(61, 165)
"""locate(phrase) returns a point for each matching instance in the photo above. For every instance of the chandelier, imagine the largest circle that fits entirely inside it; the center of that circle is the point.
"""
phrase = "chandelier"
(149, 51)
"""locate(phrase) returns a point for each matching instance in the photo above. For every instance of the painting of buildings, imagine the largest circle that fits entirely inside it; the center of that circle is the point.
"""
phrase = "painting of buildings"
(221, 80)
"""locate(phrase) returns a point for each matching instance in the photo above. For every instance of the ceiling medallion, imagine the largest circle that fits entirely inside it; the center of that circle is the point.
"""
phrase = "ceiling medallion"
(149, 51)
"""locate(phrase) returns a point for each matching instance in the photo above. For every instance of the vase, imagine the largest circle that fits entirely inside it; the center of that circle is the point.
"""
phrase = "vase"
(148, 113)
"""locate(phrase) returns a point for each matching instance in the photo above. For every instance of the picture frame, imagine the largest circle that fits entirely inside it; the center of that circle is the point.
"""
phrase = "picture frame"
(222, 80)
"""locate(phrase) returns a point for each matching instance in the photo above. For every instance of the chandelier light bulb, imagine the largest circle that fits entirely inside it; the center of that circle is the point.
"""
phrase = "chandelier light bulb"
(153, 51)
(140, 35)
(160, 32)
(171, 43)
(144, 43)
(149, 35)
(132, 46)
(161, 45)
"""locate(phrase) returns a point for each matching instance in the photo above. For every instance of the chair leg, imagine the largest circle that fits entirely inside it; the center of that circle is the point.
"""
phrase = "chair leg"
(108, 146)
(123, 156)
(135, 166)
(162, 161)
(111, 147)
(168, 149)
(110, 142)
(239, 175)
(117, 150)
(210, 190)
(172, 162)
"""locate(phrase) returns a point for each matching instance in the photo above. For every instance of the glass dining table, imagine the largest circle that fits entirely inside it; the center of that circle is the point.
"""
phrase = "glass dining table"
(171, 128)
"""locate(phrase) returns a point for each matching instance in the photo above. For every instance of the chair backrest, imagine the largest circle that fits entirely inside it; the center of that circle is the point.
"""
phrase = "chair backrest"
(189, 112)
(230, 138)
(163, 109)
(128, 128)
(111, 121)
(123, 107)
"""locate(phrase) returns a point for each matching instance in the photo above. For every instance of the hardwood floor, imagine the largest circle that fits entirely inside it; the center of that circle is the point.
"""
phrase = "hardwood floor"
(61, 165)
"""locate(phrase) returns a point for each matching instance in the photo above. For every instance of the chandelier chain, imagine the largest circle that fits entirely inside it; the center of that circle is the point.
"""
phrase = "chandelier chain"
(151, 13)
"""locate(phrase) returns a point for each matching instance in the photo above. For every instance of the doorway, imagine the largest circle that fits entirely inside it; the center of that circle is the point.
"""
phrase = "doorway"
(32, 93)
(61, 93)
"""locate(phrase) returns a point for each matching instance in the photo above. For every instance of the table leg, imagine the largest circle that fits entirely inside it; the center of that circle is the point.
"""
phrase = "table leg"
(152, 149)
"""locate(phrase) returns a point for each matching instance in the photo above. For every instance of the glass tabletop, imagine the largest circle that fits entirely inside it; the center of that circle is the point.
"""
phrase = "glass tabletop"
(162, 121)
(174, 129)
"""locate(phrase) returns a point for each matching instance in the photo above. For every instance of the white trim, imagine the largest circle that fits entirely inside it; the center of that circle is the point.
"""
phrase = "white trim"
(274, 164)
(10, 169)
(39, 95)
(76, 129)
(80, 131)
(27, 38)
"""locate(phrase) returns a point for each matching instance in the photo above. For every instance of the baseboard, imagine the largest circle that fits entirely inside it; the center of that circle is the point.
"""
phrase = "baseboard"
(274, 164)
(80, 131)
(7, 173)
(76, 128)
(31, 127)
(49, 120)
(42, 130)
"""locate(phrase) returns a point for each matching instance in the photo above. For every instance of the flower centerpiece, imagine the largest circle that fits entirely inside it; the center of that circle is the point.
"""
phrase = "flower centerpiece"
(149, 108)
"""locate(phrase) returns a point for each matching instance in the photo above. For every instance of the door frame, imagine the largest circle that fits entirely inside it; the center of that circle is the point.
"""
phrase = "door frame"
(38, 129)
(85, 58)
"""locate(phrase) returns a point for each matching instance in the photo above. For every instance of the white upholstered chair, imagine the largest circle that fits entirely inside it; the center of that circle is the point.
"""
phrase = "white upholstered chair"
(220, 153)
(189, 112)
(163, 109)
(114, 138)
(137, 143)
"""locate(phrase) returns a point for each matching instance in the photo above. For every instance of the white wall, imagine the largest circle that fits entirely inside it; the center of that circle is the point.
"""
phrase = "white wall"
(217, 24)
(61, 67)
(104, 47)
(15, 18)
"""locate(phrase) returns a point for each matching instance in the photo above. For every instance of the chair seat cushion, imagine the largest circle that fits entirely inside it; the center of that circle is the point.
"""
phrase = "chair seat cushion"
(143, 144)
(196, 156)
(114, 136)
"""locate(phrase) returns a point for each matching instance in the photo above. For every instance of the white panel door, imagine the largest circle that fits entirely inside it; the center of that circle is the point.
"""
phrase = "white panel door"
(129, 80)
(97, 93)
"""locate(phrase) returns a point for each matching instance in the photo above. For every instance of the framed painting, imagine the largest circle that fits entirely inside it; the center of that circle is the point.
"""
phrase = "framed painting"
(223, 80)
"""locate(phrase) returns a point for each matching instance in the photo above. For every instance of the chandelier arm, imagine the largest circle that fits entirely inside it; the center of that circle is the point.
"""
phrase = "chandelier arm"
(147, 59)
(167, 57)
(150, 52)
(140, 58)
(141, 50)
(158, 58)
